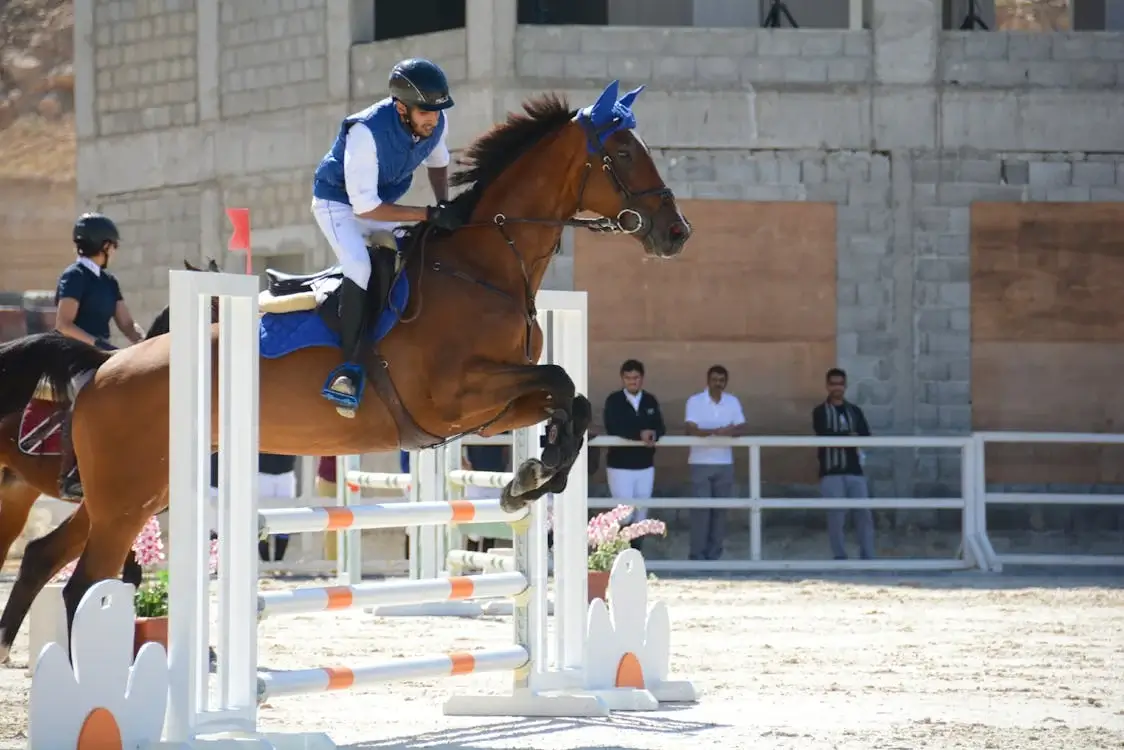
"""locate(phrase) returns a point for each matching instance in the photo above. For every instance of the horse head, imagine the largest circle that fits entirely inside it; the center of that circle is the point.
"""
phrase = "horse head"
(162, 323)
(212, 266)
(536, 171)
(622, 182)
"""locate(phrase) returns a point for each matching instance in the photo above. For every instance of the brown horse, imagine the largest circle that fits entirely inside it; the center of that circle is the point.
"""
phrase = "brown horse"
(459, 362)
(24, 477)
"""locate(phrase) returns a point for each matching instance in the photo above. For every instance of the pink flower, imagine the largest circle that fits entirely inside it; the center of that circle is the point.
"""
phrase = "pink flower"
(149, 546)
(644, 528)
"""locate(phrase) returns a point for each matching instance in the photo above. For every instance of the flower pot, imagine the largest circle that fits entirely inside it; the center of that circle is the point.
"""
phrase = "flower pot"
(150, 630)
(598, 585)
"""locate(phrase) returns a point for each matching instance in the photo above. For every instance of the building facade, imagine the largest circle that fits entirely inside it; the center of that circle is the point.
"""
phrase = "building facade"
(935, 210)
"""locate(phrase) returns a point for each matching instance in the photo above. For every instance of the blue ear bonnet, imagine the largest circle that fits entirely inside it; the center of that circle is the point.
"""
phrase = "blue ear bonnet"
(609, 114)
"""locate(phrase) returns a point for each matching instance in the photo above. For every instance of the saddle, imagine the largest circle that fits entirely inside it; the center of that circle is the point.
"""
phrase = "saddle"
(318, 293)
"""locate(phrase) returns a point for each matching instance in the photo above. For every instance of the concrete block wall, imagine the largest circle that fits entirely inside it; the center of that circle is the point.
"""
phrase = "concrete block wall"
(191, 106)
(145, 58)
(693, 57)
(273, 55)
(901, 125)
(1075, 59)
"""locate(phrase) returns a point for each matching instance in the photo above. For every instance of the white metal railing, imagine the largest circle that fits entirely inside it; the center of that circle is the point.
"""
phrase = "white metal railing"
(985, 498)
(974, 551)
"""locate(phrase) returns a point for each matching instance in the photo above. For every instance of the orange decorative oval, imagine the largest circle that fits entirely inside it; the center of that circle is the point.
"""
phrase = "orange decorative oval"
(629, 672)
(99, 732)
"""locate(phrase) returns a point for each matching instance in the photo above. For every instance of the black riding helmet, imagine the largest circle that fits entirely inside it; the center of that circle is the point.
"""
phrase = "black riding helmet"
(92, 231)
(420, 83)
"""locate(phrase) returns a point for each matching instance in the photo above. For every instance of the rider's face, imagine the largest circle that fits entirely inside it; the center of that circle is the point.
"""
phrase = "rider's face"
(421, 122)
(108, 249)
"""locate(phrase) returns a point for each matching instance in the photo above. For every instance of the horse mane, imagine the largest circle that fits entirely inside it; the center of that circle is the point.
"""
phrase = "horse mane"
(492, 153)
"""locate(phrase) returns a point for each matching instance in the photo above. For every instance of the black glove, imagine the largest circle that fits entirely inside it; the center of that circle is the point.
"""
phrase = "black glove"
(443, 216)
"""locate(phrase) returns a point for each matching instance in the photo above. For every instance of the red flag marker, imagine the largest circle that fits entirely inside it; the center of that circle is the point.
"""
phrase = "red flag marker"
(240, 239)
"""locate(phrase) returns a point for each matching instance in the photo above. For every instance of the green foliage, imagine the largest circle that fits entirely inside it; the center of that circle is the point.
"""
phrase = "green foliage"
(601, 558)
(151, 599)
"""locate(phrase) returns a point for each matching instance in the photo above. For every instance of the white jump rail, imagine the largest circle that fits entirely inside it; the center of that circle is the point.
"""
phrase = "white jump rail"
(563, 316)
(539, 688)
(985, 498)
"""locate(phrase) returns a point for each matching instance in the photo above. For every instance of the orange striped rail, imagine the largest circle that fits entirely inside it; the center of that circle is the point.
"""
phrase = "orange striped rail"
(381, 593)
(323, 679)
(384, 516)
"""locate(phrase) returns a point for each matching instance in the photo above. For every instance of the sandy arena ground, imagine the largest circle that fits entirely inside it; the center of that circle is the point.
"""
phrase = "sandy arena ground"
(871, 662)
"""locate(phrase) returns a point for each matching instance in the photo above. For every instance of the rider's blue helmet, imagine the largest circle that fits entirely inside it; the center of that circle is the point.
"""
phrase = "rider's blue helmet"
(420, 83)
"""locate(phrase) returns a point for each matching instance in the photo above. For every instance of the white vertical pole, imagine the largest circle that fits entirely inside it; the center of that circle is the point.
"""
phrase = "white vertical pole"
(238, 502)
(191, 378)
(349, 544)
(528, 543)
(454, 538)
(571, 509)
(755, 495)
(189, 440)
(414, 545)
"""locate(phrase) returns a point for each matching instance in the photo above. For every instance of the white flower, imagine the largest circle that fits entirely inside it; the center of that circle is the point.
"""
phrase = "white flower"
(106, 702)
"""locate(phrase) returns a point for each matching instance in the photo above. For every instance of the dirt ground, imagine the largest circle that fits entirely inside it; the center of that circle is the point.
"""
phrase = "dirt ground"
(874, 662)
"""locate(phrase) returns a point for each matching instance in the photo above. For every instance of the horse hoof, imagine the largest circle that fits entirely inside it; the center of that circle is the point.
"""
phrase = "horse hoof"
(511, 503)
(345, 412)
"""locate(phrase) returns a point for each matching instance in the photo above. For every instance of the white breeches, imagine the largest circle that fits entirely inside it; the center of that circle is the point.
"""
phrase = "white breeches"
(346, 233)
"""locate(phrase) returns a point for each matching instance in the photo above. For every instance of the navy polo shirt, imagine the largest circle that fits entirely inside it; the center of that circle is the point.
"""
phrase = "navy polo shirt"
(97, 295)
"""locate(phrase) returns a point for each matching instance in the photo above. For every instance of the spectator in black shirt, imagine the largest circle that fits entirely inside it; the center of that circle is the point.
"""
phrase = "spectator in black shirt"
(634, 414)
(841, 469)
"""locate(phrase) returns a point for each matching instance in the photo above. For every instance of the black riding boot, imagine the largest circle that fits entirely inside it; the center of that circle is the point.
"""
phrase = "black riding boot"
(353, 322)
(70, 483)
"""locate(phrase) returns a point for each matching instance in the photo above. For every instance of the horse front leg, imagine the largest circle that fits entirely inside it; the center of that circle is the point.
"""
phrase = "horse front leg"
(547, 393)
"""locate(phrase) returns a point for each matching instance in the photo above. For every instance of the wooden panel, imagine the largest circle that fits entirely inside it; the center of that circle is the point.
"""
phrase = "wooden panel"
(1048, 335)
(1047, 272)
(754, 291)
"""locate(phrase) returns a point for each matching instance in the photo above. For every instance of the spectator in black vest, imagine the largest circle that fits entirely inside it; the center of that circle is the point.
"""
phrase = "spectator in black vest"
(841, 469)
(634, 414)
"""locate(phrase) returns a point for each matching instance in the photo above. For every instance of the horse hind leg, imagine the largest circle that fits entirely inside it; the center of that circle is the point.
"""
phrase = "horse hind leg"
(16, 499)
(42, 560)
(107, 546)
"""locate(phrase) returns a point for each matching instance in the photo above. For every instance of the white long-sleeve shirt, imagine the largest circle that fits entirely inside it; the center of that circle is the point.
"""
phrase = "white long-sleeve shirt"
(361, 166)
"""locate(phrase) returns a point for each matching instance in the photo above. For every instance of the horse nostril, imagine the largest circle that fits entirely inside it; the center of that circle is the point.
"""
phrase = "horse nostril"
(678, 232)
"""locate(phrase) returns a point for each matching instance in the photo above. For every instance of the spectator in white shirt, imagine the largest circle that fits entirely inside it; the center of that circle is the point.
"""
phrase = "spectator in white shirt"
(712, 412)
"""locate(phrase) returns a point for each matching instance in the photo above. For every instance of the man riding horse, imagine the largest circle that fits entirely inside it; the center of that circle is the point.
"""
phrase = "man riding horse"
(369, 167)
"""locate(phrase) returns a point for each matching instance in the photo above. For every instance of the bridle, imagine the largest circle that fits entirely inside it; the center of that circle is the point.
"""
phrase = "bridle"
(595, 146)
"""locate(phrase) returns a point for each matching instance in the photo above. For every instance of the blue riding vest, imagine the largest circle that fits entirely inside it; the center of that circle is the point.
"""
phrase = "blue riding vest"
(399, 155)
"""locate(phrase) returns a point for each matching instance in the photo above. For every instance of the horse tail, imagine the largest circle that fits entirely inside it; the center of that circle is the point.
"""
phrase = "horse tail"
(50, 357)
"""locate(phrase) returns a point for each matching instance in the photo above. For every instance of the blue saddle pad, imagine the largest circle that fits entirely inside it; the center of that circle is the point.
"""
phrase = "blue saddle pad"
(285, 333)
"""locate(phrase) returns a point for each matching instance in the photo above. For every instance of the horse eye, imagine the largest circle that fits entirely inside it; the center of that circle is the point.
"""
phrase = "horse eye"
(624, 154)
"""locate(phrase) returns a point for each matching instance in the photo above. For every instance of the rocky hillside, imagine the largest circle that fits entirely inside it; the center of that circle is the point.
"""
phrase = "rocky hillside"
(37, 89)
